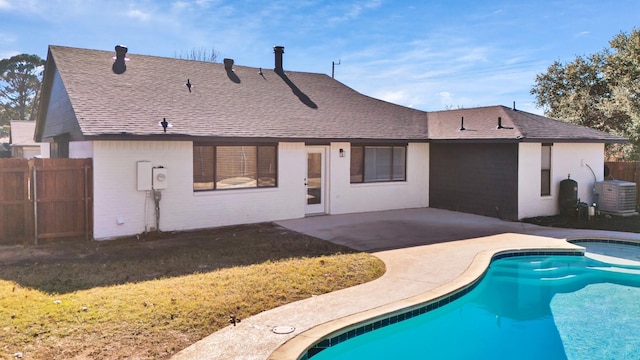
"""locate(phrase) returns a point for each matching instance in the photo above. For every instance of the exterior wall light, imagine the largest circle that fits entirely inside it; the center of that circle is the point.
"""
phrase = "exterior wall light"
(341, 152)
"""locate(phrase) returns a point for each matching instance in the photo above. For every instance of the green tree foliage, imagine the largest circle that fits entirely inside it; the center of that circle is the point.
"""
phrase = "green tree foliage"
(601, 91)
(20, 80)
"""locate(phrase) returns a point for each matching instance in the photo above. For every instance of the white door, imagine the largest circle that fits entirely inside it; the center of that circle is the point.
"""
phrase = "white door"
(315, 181)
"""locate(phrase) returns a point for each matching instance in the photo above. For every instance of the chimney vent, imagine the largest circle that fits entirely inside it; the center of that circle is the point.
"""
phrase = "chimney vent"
(278, 50)
(121, 51)
(119, 66)
(228, 64)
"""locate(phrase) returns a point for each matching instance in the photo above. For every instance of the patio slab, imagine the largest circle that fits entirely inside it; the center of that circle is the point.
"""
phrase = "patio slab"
(428, 253)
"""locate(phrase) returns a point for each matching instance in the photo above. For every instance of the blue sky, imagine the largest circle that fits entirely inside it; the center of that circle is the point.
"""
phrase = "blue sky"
(430, 55)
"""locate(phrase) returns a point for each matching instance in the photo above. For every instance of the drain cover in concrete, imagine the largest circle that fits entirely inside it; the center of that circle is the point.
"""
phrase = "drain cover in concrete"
(283, 329)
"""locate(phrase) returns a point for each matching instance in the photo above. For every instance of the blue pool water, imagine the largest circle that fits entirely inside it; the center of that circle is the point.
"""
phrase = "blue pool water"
(527, 307)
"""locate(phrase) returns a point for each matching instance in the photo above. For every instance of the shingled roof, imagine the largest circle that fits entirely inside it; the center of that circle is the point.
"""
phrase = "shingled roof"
(500, 123)
(244, 102)
(226, 101)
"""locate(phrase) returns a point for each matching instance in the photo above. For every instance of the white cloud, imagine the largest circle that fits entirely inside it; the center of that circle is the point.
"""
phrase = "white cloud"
(5, 5)
(355, 10)
(23, 6)
(180, 5)
(445, 95)
(8, 54)
(6, 38)
(189, 5)
(396, 97)
(138, 15)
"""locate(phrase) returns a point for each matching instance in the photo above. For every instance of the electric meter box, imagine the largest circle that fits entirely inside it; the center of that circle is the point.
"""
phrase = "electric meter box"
(159, 177)
(144, 176)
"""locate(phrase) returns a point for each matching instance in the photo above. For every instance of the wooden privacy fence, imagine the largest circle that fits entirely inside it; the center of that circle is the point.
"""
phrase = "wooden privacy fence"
(626, 171)
(45, 199)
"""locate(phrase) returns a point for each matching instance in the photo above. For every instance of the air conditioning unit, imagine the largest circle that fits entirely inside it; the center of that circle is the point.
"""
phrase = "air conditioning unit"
(616, 197)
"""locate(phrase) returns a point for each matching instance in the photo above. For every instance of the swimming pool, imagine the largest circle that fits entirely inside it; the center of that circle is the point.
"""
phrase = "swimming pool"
(525, 307)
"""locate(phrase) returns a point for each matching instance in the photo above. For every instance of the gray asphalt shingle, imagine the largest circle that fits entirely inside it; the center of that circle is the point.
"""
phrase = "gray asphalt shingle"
(249, 102)
(261, 103)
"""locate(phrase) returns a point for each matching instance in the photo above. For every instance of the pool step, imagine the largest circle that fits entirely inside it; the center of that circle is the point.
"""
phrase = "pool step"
(616, 269)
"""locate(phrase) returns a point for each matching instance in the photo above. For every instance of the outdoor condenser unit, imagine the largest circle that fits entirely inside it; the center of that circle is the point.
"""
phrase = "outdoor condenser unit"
(616, 197)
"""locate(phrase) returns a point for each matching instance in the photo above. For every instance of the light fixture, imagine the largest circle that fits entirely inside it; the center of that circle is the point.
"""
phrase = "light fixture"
(341, 152)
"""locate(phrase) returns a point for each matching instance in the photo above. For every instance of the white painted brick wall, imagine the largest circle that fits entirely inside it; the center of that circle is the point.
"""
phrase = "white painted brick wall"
(81, 149)
(350, 198)
(116, 196)
(566, 159)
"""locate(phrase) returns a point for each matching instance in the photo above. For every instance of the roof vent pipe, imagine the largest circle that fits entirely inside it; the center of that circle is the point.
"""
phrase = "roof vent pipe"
(514, 106)
(462, 124)
(278, 51)
(500, 124)
(119, 66)
(228, 64)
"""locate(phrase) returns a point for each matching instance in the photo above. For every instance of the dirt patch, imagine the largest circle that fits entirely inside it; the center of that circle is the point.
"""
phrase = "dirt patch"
(601, 222)
(154, 244)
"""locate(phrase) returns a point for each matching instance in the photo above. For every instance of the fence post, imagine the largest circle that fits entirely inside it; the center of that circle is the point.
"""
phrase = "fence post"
(86, 203)
(35, 202)
(636, 178)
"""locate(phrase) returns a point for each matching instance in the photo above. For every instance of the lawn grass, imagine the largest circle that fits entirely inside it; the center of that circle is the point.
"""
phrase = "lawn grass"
(148, 302)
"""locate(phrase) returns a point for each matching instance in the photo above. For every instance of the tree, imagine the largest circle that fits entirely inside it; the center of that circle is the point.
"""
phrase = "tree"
(20, 80)
(200, 54)
(601, 91)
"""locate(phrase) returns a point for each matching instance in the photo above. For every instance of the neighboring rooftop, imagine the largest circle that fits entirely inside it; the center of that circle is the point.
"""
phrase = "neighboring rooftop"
(21, 133)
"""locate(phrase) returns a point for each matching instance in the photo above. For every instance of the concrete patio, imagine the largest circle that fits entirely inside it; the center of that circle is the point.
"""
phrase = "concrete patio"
(428, 253)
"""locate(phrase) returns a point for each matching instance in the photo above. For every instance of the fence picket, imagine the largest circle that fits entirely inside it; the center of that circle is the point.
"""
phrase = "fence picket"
(626, 171)
(44, 199)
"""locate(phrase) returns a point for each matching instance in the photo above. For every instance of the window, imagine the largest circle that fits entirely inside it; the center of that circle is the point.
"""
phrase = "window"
(545, 171)
(233, 167)
(378, 163)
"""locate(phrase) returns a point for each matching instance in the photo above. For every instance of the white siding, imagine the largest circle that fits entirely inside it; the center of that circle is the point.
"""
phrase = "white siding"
(45, 150)
(350, 198)
(121, 210)
(578, 160)
(80, 149)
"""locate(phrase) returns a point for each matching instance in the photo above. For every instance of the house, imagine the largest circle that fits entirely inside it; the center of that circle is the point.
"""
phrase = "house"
(22, 143)
(5, 149)
(179, 145)
(500, 162)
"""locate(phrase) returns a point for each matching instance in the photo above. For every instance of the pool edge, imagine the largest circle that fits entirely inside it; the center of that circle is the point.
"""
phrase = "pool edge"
(298, 346)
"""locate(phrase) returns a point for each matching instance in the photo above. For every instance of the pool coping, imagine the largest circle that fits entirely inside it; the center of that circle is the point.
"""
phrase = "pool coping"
(341, 329)
(422, 249)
